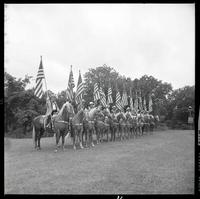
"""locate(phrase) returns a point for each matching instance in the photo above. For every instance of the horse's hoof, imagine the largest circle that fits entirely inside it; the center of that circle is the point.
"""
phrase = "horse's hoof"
(75, 148)
(56, 150)
(92, 145)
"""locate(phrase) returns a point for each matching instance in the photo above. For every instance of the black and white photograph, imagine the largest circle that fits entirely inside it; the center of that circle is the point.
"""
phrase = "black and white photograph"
(99, 99)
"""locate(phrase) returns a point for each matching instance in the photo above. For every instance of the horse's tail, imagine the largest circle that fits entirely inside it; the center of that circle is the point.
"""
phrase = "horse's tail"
(33, 134)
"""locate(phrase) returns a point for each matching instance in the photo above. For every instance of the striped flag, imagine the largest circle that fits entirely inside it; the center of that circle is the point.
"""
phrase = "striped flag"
(136, 102)
(103, 97)
(131, 100)
(140, 101)
(69, 92)
(96, 92)
(144, 105)
(40, 76)
(124, 98)
(110, 100)
(79, 90)
(150, 104)
(49, 105)
(118, 99)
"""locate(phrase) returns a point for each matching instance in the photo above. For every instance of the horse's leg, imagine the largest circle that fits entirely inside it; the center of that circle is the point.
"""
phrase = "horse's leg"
(63, 140)
(39, 137)
(80, 137)
(57, 132)
(35, 140)
(92, 132)
(74, 138)
(98, 136)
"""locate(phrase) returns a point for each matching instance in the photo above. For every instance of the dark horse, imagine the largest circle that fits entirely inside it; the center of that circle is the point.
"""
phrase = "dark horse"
(39, 127)
(77, 128)
(62, 123)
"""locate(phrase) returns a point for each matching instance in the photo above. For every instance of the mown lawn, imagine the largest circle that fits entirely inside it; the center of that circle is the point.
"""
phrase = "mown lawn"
(162, 163)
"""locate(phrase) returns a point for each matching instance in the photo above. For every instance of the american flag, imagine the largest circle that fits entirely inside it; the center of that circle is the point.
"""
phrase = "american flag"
(40, 76)
(96, 92)
(118, 99)
(124, 98)
(103, 97)
(150, 104)
(69, 92)
(136, 102)
(80, 89)
(131, 100)
(140, 101)
(110, 100)
(144, 104)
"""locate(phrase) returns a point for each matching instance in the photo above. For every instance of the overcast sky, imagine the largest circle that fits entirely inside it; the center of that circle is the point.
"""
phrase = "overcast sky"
(134, 39)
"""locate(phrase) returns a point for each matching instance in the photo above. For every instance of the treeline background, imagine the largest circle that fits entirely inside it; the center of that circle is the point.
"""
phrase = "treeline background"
(21, 106)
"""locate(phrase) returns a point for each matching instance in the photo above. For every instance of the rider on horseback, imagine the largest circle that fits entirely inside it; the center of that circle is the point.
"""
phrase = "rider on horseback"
(91, 105)
(128, 113)
(55, 110)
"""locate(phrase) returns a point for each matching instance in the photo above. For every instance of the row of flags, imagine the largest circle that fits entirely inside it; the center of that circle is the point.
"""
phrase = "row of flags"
(121, 102)
(98, 93)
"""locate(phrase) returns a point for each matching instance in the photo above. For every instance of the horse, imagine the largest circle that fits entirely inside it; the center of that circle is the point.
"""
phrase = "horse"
(39, 127)
(122, 125)
(146, 126)
(140, 125)
(114, 127)
(152, 123)
(135, 126)
(100, 126)
(62, 123)
(107, 123)
(89, 126)
(77, 128)
(129, 125)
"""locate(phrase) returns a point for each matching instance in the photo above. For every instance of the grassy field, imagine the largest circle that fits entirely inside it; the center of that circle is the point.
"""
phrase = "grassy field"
(162, 163)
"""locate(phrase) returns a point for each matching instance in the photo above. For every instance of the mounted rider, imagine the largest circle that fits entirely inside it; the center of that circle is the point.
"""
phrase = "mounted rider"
(55, 107)
(81, 105)
(91, 106)
(128, 113)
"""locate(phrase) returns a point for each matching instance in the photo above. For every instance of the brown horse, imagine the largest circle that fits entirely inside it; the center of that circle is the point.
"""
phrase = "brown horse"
(77, 128)
(100, 126)
(62, 123)
(89, 126)
(39, 127)
(122, 125)
(129, 124)
(114, 127)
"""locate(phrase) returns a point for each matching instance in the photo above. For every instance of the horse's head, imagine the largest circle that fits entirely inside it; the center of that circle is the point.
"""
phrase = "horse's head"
(67, 111)
(92, 114)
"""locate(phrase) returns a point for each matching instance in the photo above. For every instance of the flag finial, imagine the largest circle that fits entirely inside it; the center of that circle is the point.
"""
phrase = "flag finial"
(41, 57)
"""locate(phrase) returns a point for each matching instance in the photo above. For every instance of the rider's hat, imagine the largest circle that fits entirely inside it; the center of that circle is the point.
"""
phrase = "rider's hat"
(91, 103)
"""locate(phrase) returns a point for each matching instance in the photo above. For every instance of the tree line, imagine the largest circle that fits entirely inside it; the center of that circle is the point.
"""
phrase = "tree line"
(21, 106)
